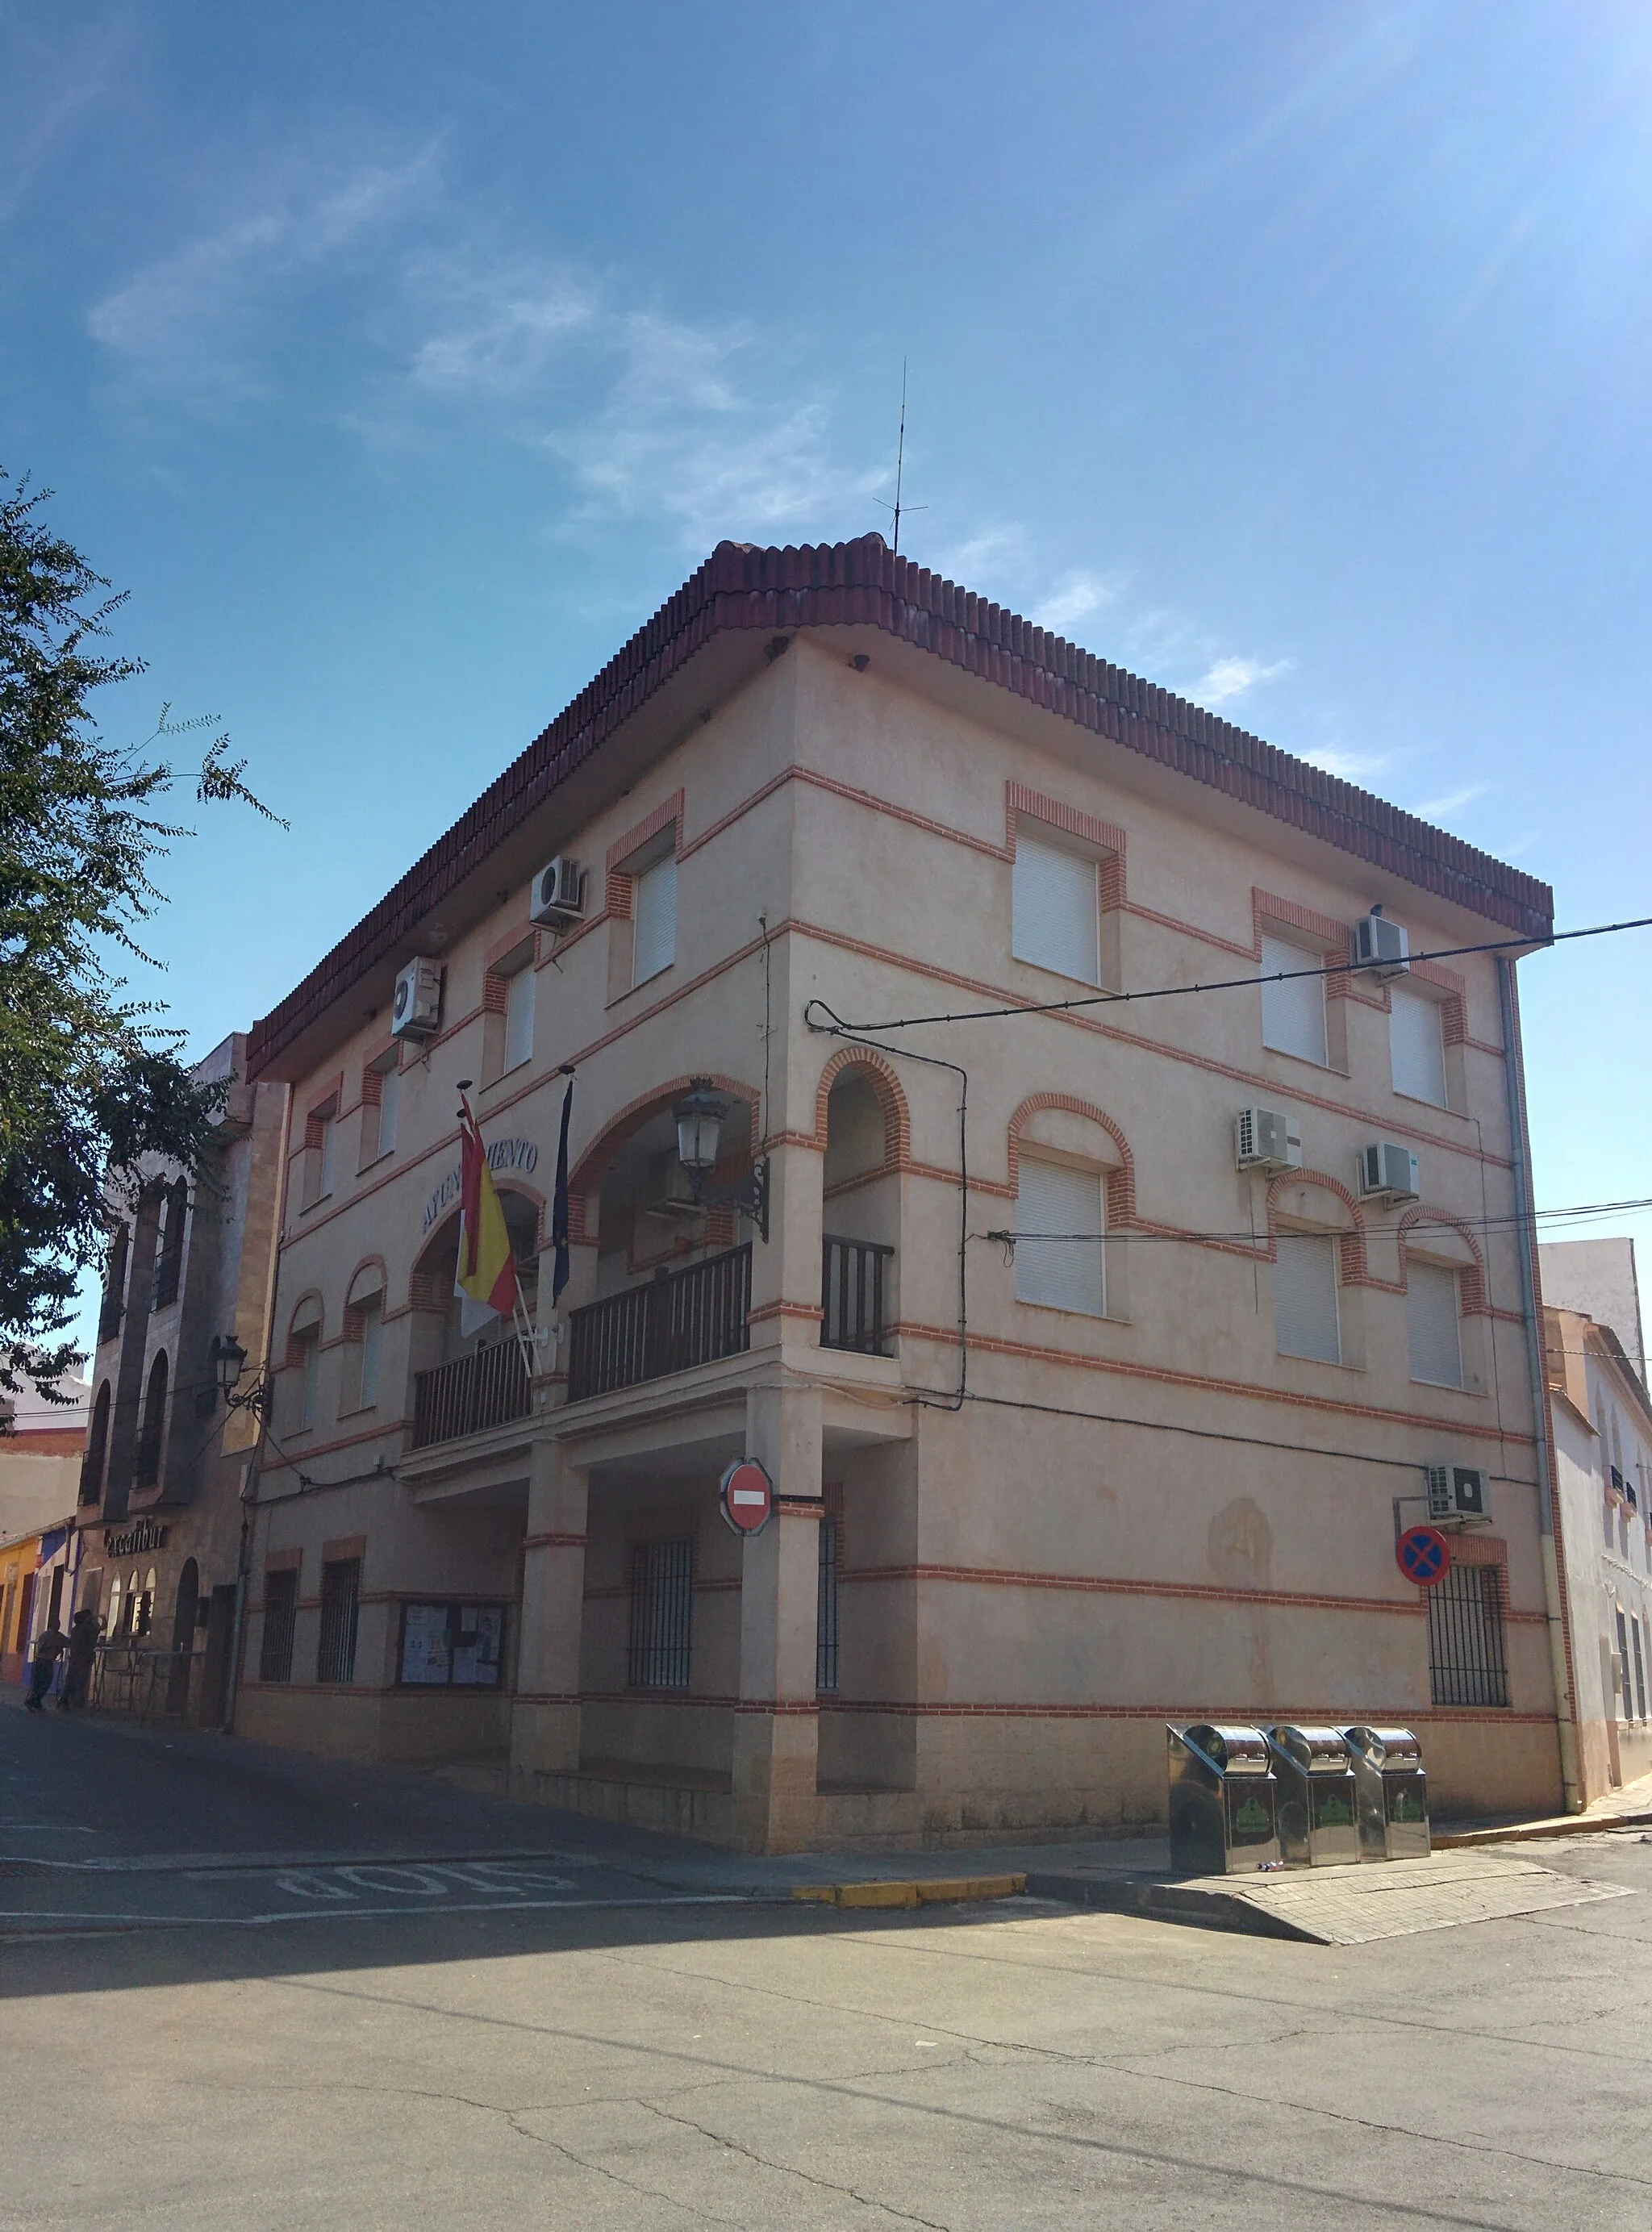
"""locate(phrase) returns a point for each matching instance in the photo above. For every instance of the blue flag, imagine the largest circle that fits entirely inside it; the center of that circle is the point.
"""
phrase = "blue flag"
(559, 1204)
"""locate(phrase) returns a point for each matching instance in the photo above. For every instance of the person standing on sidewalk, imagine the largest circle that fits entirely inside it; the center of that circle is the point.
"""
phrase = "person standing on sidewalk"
(49, 1645)
(82, 1653)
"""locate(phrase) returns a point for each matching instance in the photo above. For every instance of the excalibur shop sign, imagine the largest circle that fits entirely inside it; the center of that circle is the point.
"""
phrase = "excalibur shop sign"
(502, 1155)
(132, 1542)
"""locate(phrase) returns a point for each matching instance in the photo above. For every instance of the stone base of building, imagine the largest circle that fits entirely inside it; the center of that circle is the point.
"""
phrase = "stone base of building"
(984, 1779)
(394, 1728)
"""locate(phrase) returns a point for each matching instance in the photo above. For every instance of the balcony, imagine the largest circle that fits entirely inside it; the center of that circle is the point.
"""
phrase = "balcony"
(854, 1292)
(469, 1395)
(679, 1320)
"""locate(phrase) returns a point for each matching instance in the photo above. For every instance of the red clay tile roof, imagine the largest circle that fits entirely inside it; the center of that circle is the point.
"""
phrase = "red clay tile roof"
(863, 584)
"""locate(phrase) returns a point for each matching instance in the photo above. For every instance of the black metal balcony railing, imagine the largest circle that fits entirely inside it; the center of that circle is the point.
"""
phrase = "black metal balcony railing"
(679, 1320)
(109, 1318)
(472, 1393)
(854, 1292)
(164, 1292)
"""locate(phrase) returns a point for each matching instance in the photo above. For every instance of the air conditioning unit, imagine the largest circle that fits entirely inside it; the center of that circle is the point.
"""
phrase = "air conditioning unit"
(1456, 1495)
(1266, 1139)
(1387, 1172)
(559, 893)
(1381, 946)
(417, 1012)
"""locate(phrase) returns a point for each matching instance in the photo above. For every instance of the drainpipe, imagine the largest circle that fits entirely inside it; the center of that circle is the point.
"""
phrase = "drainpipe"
(243, 1566)
(1554, 1604)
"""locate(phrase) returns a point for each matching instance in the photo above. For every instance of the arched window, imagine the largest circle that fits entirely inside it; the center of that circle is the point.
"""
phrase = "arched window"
(168, 1262)
(143, 1604)
(114, 1285)
(114, 1628)
(97, 1449)
(152, 1430)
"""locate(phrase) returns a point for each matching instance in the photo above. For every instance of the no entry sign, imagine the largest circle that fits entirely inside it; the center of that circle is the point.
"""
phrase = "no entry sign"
(1424, 1555)
(745, 1496)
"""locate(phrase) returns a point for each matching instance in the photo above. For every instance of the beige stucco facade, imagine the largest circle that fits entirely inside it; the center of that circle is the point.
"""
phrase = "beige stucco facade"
(1603, 1442)
(1074, 1496)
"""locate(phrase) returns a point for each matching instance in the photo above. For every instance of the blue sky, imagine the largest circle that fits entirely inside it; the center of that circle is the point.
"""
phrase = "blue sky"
(400, 359)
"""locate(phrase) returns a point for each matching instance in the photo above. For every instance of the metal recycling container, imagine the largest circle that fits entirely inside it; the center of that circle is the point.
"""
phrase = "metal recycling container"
(1318, 1823)
(1223, 1814)
(1391, 1793)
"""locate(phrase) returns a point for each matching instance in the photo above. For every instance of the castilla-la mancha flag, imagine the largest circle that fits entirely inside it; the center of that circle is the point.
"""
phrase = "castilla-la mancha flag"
(486, 1270)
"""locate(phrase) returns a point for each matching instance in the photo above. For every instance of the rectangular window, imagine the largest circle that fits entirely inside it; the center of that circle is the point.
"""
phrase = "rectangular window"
(1054, 919)
(326, 1155)
(1625, 1710)
(453, 1646)
(1063, 1273)
(662, 1601)
(309, 1363)
(1431, 1325)
(372, 1328)
(1305, 1297)
(390, 1095)
(825, 1612)
(280, 1611)
(654, 921)
(1293, 1013)
(1417, 1045)
(1466, 1661)
(1639, 1670)
(335, 1657)
(519, 1017)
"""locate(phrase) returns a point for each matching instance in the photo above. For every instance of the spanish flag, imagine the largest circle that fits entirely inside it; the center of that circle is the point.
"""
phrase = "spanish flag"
(487, 1271)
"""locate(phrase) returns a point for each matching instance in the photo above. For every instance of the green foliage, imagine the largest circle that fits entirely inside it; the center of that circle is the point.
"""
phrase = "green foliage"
(90, 1083)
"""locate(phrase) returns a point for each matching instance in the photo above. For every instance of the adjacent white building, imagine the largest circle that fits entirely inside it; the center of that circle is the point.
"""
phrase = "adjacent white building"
(1602, 1441)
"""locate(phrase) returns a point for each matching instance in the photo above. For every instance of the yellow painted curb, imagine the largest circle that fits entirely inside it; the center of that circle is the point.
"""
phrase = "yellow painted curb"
(934, 1891)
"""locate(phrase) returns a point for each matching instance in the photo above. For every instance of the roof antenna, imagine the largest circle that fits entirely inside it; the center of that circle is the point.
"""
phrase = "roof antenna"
(900, 460)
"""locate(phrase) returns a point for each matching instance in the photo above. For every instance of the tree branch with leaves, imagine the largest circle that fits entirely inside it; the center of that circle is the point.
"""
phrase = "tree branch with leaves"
(91, 1080)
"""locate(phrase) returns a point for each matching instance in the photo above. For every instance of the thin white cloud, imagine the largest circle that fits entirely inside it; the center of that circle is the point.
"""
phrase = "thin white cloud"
(702, 422)
(1350, 766)
(501, 328)
(1074, 599)
(1225, 680)
(181, 323)
(1450, 801)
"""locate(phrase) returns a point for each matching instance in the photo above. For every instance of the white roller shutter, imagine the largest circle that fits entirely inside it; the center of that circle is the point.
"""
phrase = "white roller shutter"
(1305, 1297)
(1431, 1323)
(1066, 1275)
(1054, 899)
(1417, 1045)
(654, 902)
(1293, 1013)
(519, 1018)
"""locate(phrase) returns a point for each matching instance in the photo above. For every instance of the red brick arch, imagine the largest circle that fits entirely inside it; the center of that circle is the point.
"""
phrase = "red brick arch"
(1120, 1181)
(1350, 1245)
(1471, 1279)
(880, 1075)
(587, 1174)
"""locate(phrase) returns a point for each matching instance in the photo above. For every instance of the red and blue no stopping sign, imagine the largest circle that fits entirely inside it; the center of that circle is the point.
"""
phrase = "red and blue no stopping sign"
(1424, 1555)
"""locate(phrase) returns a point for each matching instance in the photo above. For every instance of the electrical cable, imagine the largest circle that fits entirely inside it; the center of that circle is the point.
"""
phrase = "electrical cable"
(1220, 985)
(1581, 1213)
(1211, 1434)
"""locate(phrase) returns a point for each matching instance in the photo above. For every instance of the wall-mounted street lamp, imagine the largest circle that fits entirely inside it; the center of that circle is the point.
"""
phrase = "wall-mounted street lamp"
(699, 1117)
(228, 1361)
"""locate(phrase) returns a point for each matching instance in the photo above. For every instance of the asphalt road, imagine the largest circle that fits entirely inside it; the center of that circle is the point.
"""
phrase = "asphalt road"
(252, 1992)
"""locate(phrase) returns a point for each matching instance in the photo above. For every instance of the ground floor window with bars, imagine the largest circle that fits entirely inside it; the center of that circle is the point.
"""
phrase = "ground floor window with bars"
(662, 1606)
(335, 1658)
(1466, 1664)
(281, 1610)
(826, 1617)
